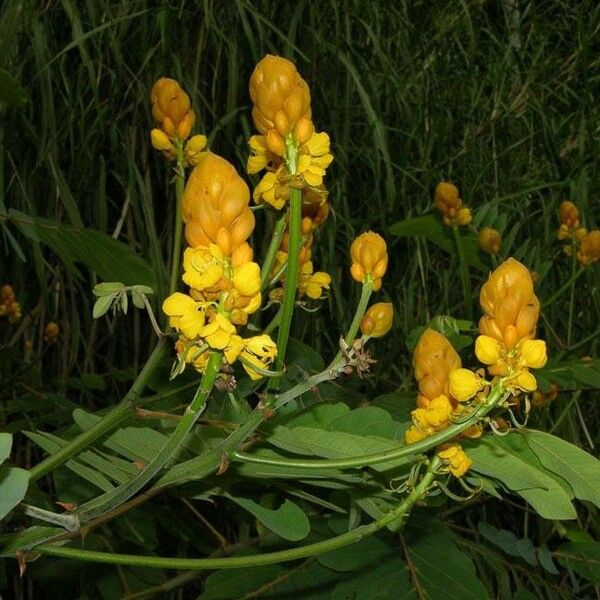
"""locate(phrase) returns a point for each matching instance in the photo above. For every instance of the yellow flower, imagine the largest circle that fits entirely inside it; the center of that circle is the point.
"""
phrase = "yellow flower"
(162, 142)
(171, 108)
(490, 240)
(51, 332)
(589, 249)
(246, 279)
(203, 266)
(259, 353)
(312, 284)
(272, 189)
(532, 354)
(464, 384)
(260, 156)
(413, 435)
(464, 216)
(218, 332)
(193, 147)
(369, 257)
(524, 381)
(446, 198)
(569, 215)
(487, 349)
(378, 320)
(429, 420)
(185, 314)
(457, 461)
(314, 158)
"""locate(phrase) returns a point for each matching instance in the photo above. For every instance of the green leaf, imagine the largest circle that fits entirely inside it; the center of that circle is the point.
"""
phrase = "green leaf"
(578, 468)
(388, 580)
(433, 229)
(102, 305)
(440, 570)
(10, 90)
(138, 300)
(142, 289)
(370, 551)
(511, 468)
(366, 420)
(583, 558)
(110, 259)
(108, 288)
(5, 446)
(235, 583)
(13, 487)
(287, 521)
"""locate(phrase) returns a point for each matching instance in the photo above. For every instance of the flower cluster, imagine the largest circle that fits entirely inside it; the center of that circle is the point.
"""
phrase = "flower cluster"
(369, 258)
(507, 343)
(289, 149)
(224, 281)
(51, 332)
(489, 240)
(9, 307)
(171, 109)
(434, 359)
(311, 284)
(450, 204)
(586, 243)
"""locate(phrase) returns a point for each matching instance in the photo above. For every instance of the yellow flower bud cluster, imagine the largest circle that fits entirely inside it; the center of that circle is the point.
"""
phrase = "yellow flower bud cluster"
(569, 222)
(450, 204)
(434, 362)
(282, 114)
(51, 332)
(171, 109)
(311, 284)
(9, 307)
(506, 344)
(369, 258)
(589, 248)
(224, 281)
(378, 319)
(586, 243)
(489, 240)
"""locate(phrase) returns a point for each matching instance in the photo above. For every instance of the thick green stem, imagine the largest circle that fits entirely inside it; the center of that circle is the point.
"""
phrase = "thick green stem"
(395, 454)
(365, 295)
(398, 515)
(177, 225)
(167, 454)
(571, 281)
(272, 252)
(464, 272)
(109, 422)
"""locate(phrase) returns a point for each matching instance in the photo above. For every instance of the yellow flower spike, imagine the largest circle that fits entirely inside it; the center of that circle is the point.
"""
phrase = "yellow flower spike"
(171, 108)
(185, 314)
(446, 198)
(569, 215)
(260, 352)
(246, 279)
(533, 354)
(369, 257)
(487, 349)
(489, 240)
(589, 248)
(464, 384)
(279, 94)
(203, 266)
(193, 147)
(457, 461)
(218, 332)
(378, 319)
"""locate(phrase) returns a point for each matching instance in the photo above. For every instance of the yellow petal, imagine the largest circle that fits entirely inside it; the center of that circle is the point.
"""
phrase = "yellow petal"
(487, 349)
(464, 384)
(533, 353)
(246, 279)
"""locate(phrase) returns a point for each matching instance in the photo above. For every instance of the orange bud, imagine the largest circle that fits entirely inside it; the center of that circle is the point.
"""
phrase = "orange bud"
(446, 198)
(589, 249)
(490, 240)
(369, 257)
(377, 321)
(303, 130)
(171, 108)
(569, 214)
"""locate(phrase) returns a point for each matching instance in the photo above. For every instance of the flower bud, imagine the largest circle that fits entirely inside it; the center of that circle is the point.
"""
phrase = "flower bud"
(51, 332)
(589, 249)
(464, 216)
(377, 321)
(490, 240)
(369, 257)
(193, 147)
(533, 353)
(303, 130)
(161, 141)
(569, 215)
(280, 96)
(171, 108)
(487, 349)
(446, 198)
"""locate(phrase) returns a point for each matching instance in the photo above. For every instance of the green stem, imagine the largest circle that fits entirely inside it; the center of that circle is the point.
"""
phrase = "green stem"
(464, 272)
(572, 298)
(113, 419)
(571, 281)
(272, 252)
(365, 295)
(399, 514)
(410, 450)
(178, 225)
(167, 454)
